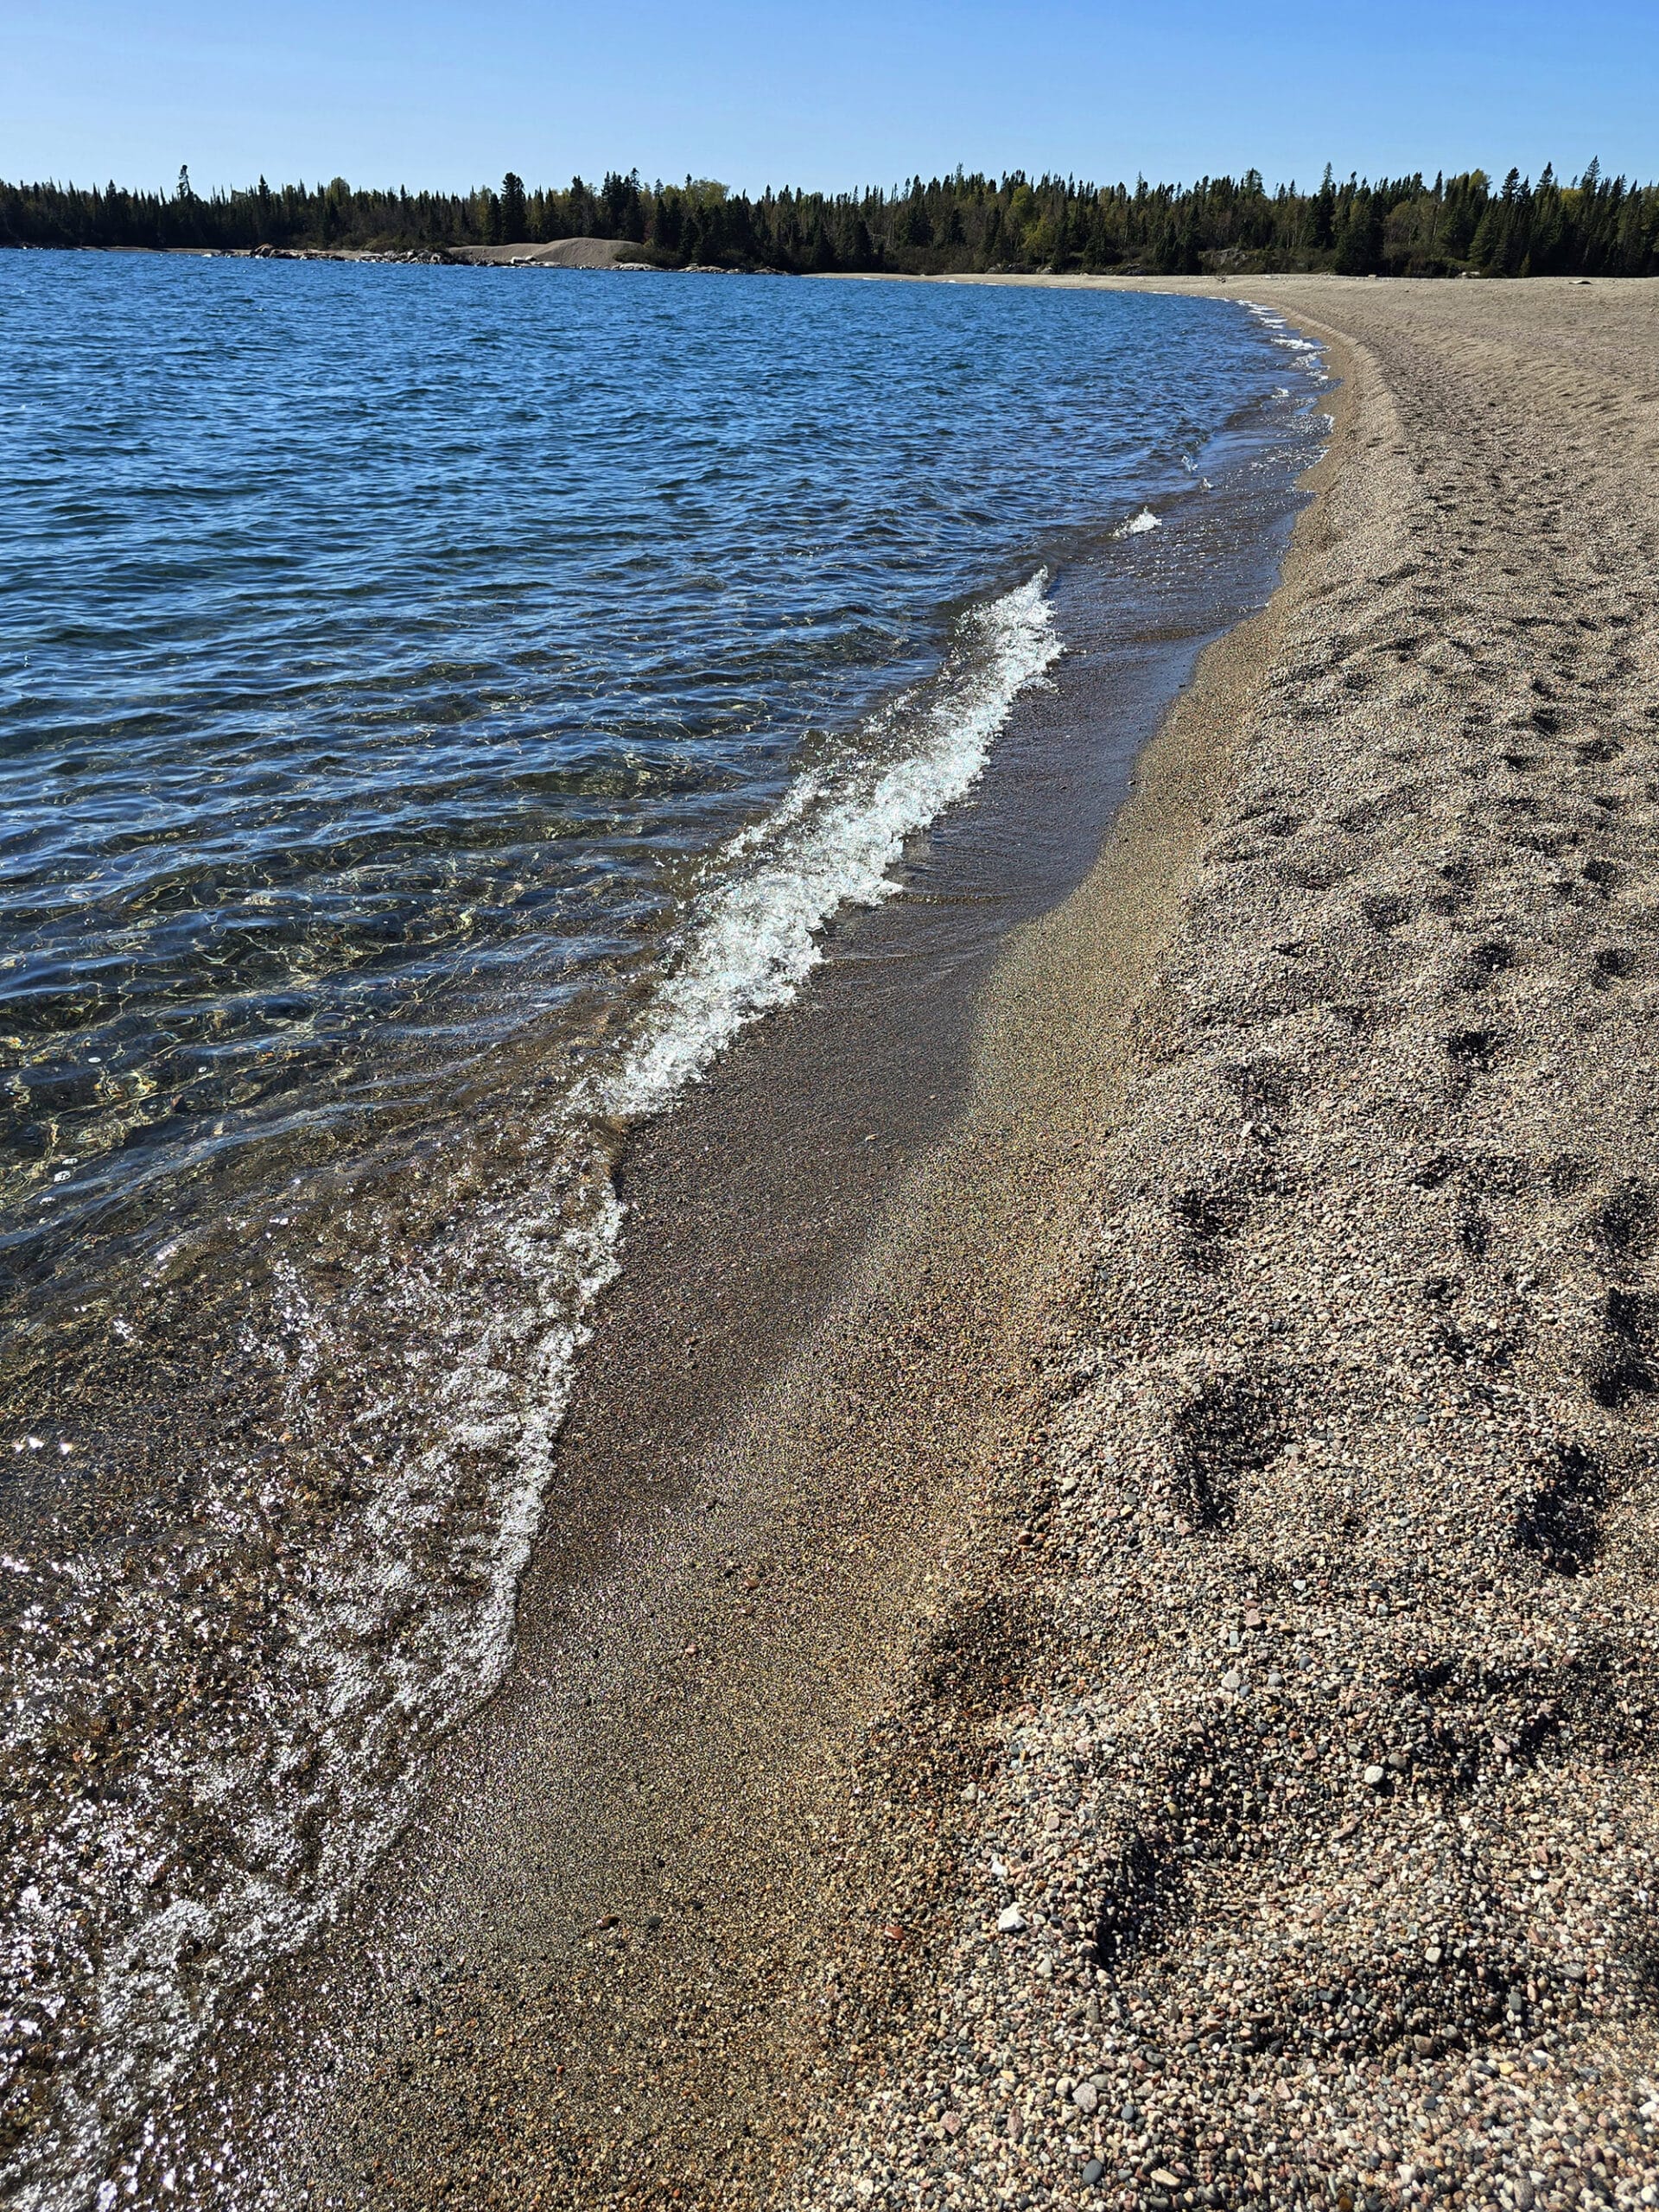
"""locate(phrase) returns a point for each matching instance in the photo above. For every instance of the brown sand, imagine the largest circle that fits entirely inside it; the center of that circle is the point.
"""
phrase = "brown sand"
(1220, 1494)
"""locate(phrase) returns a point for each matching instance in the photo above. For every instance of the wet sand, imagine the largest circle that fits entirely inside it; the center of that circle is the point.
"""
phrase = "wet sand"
(598, 1961)
(1148, 1699)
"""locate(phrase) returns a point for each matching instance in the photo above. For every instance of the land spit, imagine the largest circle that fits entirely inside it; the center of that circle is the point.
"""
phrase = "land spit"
(1154, 1704)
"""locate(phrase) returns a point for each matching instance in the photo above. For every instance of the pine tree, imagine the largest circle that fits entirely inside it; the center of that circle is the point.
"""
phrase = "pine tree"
(513, 209)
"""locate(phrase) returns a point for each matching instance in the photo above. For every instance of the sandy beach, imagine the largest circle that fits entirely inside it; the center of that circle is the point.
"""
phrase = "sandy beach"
(1126, 1673)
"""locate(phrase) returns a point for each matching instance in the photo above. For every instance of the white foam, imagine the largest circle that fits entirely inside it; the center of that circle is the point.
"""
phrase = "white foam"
(756, 934)
(1310, 349)
(401, 1623)
(1137, 525)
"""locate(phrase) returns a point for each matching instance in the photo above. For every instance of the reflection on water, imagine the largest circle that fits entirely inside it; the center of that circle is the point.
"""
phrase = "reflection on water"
(384, 643)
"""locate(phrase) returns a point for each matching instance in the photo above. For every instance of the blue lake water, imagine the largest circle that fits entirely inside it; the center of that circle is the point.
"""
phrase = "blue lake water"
(382, 646)
(438, 709)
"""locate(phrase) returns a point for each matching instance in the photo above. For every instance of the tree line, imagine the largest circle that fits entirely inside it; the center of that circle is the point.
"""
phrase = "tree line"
(1594, 226)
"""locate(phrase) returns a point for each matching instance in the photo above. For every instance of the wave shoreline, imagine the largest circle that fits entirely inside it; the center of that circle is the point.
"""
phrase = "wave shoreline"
(380, 1700)
(755, 1210)
(359, 1606)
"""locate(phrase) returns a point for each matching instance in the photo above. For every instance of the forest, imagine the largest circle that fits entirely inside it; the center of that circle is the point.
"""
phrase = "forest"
(1395, 226)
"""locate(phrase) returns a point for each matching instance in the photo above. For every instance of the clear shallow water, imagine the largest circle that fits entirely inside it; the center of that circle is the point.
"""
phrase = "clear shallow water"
(381, 646)
(438, 709)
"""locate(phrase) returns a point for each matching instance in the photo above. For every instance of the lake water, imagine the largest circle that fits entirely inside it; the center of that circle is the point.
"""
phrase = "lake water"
(438, 709)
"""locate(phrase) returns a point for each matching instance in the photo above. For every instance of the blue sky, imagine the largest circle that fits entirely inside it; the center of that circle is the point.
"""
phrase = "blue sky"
(390, 92)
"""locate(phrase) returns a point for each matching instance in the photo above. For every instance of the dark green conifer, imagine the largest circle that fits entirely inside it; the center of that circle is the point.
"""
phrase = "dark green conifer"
(1397, 226)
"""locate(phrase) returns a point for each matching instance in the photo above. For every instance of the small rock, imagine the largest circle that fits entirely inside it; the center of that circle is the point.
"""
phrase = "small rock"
(1164, 2178)
(1232, 1678)
(1373, 1778)
(1010, 1920)
(1091, 2173)
(1085, 2096)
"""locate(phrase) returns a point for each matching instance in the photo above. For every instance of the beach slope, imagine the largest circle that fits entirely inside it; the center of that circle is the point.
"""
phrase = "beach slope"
(1139, 1687)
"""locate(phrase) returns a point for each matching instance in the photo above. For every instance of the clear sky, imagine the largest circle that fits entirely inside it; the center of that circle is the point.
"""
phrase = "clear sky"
(393, 92)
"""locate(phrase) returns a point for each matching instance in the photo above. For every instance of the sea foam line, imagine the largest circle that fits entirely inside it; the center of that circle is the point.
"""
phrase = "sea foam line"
(833, 842)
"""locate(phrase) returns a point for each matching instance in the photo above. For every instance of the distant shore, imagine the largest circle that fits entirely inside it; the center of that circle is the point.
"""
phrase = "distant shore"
(1459, 221)
(623, 255)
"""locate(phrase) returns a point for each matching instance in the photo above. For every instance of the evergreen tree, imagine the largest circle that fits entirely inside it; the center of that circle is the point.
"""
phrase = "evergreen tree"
(1397, 226)
(1323, 232)
(515, 212)
(1359, 243)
